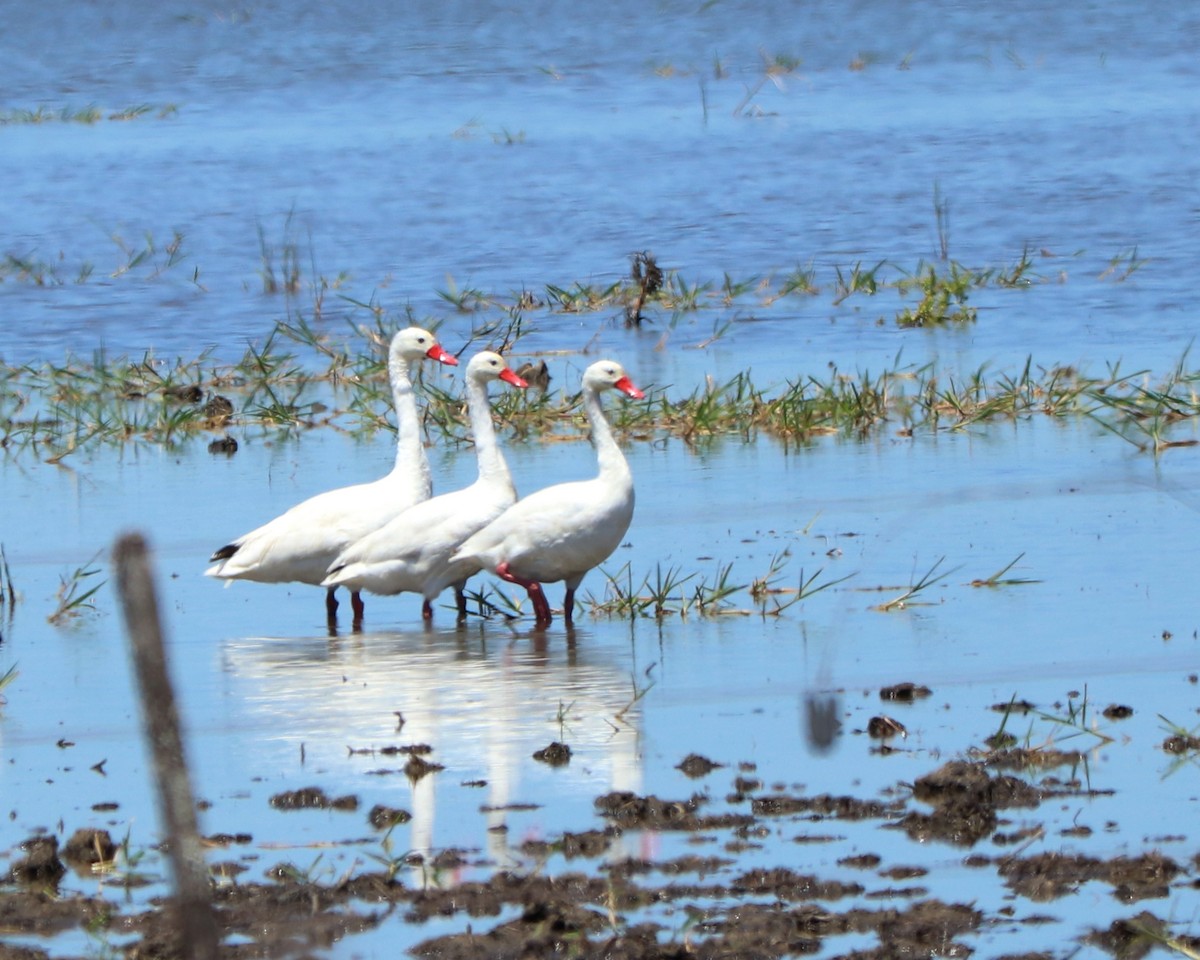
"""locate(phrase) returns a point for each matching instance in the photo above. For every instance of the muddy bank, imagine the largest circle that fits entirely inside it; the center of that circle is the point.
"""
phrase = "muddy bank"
(719, 903)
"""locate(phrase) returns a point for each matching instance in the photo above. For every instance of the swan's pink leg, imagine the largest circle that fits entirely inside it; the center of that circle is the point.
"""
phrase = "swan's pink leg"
(426, 610)
(331, 604)
(541, 609)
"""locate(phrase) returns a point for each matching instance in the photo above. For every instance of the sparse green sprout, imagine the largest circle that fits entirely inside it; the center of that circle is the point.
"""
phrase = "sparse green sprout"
(1002, 739)
(930, 578)
(7, 677)
(492, 602)
(800, 280)
(1076, 719)
(1018, 275)
(288, 278)
(713, 599)
(858, 281)
(86, 115)
(781, 63)
(465, 300)
(73, 595)
(622, 599)
(998, 579)
(941, 217)
(1123, 265)
(863, 59)
(506, 137)
(943, 298)
(733, 289)
(638, 692)
(677, 294)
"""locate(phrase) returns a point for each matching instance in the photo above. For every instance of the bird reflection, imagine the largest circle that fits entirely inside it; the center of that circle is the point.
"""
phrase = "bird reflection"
(484, 698)
(822, 724)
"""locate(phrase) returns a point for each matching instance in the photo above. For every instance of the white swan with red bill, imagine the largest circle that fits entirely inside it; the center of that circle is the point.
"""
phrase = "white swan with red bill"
(563, 531)
(411, 552)
(299, 545)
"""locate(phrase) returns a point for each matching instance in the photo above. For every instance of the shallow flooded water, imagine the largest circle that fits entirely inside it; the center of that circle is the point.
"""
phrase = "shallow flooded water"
(273, 704)
(399, 160)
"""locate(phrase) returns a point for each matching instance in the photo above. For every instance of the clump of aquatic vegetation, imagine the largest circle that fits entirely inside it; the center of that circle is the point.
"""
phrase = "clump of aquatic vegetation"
(144, 257)
(932, 294)
(668, 592)
(300, 378)
(1040, 743)
(86, 115)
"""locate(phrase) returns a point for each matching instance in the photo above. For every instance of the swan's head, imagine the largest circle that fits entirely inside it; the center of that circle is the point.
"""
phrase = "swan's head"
(486, 366)
(610, 375)
(414, 343)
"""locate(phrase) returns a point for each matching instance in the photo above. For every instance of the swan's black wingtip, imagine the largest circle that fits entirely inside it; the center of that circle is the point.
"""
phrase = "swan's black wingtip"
(225, 552)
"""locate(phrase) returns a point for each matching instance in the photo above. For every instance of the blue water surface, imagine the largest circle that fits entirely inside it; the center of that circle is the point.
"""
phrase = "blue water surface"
(396, 151)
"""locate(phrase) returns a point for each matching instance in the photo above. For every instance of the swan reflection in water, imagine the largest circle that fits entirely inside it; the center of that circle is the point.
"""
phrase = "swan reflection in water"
(483, 698)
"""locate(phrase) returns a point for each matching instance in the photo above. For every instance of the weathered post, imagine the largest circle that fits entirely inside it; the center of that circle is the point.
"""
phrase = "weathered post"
(193, 900)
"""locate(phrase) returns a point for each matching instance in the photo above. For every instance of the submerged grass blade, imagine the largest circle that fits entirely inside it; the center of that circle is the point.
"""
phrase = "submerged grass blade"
(929, 579)
(8, 593)
(998, 579)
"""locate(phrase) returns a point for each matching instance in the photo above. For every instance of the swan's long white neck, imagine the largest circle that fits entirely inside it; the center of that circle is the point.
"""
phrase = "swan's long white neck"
(411, 463)
(613, 466)
(492, 466)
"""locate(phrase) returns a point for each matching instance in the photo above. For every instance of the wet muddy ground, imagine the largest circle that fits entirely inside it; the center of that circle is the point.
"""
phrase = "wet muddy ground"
(993, 810)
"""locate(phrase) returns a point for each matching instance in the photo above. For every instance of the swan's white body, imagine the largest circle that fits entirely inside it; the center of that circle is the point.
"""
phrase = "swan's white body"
(411, 552)
(562, 532)
(299, 545)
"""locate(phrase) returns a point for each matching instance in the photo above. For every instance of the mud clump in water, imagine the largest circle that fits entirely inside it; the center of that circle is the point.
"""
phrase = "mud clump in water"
(905, 692)
(1048, 876)
(384, 818)
(87, 848)
(1181, 743)
(40, 865)
(649, 813)
(824, 806)
(312, 798)
(418, 767)
(555, 755)
(965, 799)
(695, 766)
(883, 727)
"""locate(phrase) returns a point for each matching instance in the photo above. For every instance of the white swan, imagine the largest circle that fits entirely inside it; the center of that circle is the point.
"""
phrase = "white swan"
(410, 552)
(561, 532)
(299, 545)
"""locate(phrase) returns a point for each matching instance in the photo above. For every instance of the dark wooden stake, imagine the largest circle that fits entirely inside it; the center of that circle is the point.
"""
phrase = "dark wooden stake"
(193, 893)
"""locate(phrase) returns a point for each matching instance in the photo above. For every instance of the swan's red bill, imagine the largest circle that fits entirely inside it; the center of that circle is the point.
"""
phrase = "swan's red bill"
(508, 376)
(625, 385)
(437, 353)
